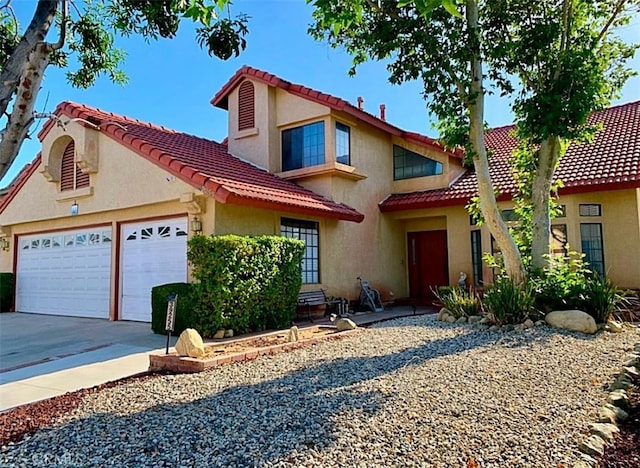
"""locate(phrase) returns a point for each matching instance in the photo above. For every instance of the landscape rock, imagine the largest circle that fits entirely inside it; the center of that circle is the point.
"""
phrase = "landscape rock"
(450, 319)
(484, 320)
(293, 334)
(443, 312)
(475, 319)
(605, 431)
(618, 398)
(462, 320)
(528, 323)
(606, 415)
(574, 320)
(343, 324)
(219, 334)
(615, 327)
(621, 415)
(228, 333)
(540, 323)
(594, 446)
(190, 344)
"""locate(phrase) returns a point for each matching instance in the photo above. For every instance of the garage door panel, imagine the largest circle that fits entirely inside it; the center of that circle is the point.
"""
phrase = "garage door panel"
(153, 253)
(65, 273)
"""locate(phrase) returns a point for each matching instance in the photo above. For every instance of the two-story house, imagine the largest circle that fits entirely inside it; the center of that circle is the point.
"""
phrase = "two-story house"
(104, 212)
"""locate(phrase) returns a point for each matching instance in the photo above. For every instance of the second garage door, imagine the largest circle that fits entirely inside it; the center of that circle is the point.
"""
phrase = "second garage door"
(153, 253)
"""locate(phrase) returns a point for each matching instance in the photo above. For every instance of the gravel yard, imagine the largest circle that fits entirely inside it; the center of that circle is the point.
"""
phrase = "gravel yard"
(409, 392)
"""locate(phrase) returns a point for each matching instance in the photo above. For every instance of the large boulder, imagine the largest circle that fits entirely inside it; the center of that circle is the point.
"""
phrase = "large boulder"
(574, 320)
(190, 344)
(343, 324)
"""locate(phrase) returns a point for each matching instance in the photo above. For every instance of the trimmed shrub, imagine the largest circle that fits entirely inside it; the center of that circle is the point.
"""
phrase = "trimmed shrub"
(184, 307)
(459, 302)
(6, 291)
(245, 283)
(508, 301)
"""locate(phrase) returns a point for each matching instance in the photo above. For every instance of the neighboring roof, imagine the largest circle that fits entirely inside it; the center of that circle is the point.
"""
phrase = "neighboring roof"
(221, 100)
(204, 164)
(611, 161)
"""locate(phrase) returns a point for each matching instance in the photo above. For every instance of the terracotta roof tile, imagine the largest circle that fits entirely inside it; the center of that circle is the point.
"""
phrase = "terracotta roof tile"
(207, 165)
(611, 161)
(333, 102)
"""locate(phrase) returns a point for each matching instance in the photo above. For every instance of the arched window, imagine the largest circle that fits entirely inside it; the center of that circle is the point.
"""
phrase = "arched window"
(71, 177)
(246, 106)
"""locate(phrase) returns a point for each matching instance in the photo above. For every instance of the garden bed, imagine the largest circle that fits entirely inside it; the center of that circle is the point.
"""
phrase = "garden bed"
(244, 349)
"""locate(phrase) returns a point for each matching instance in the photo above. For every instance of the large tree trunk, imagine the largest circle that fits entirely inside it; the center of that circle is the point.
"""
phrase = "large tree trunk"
(21, 75)
(488, 203)
(548, 156)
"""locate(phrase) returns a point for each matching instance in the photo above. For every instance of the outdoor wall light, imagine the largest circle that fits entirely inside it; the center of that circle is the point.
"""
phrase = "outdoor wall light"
(196, 225)
(4, 244)
(74, 209)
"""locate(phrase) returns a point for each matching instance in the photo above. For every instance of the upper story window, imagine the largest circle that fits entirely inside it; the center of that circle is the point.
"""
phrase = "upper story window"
(343, 144)
(246, 106)
(303, 146)
(71, 177)
(407, 164)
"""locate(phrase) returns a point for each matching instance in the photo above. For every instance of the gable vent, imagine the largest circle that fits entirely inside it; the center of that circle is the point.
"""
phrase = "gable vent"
(71, 177)
(246, 106)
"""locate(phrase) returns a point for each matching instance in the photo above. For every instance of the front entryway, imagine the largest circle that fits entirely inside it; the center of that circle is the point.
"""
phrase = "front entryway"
(65, 273)
(153, 253)
(428, 263)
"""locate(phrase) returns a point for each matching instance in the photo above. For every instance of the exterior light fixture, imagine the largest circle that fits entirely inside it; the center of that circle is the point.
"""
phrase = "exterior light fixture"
(4, 244)
(196, 225)
(74, 208)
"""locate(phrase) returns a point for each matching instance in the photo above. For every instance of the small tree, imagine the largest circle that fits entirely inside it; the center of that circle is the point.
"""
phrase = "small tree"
(87, 36)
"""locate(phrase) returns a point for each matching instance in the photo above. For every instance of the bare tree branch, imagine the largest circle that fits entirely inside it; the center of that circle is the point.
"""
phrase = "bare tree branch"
(63, 28)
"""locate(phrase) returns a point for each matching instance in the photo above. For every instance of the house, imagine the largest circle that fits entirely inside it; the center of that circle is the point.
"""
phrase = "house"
(104, 212)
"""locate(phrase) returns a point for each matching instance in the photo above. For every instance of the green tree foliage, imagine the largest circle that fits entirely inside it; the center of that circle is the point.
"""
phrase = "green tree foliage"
(557, 62)
(84, 45)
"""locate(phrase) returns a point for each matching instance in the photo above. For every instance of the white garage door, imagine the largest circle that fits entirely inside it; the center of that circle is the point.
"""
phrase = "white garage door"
(153, 253)
(65, 273)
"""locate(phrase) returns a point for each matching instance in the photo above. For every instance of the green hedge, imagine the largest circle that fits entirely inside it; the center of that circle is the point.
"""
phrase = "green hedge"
(6, 291)
(245, 283)
(184, 307)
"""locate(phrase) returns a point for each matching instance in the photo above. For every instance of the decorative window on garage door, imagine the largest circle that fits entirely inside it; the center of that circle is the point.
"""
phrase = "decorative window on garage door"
(152, 232)
(57, 241)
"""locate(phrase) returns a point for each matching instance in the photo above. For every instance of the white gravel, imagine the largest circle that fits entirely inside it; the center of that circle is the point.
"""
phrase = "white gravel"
(410, 392)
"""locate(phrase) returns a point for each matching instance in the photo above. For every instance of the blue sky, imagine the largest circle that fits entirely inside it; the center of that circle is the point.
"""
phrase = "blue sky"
(172, 81)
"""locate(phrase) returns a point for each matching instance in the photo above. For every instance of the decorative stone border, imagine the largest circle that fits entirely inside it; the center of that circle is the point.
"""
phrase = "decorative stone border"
(181, 364)
(602, 431)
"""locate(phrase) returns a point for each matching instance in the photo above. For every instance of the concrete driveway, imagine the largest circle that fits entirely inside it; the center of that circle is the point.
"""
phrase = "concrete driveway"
(44, 355)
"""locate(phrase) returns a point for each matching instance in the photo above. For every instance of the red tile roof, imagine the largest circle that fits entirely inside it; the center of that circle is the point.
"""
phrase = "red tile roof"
(221, 100)
(205, 165)
(611, 161)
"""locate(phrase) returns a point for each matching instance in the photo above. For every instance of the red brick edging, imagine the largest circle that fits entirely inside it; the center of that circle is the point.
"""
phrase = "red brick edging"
(174, 363)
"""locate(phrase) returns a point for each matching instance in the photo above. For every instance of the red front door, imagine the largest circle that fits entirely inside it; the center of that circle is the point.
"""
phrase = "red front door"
(428, 263)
